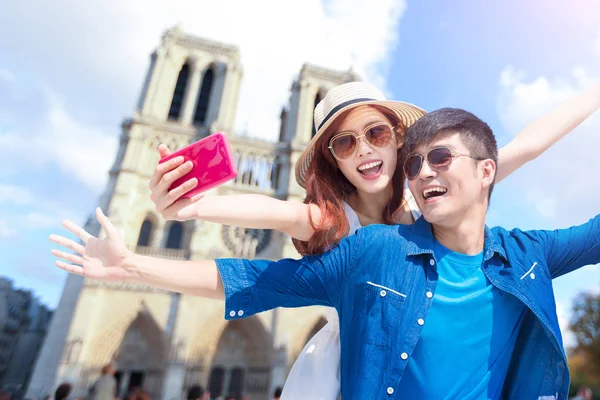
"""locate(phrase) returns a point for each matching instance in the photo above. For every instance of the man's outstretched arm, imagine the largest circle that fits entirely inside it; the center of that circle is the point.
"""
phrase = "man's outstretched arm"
(110, 260)
(254, 285)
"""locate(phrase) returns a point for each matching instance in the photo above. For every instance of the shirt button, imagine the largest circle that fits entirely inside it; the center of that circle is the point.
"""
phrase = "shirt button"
(382, 293)
(390, 390)
(432, 262)
(532, 275)
(240, 313)
(232, 313)
(404, 356)
(429, 295)
(420, 321)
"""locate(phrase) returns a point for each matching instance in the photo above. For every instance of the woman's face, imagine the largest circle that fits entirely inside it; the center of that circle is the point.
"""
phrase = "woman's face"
(370, 169)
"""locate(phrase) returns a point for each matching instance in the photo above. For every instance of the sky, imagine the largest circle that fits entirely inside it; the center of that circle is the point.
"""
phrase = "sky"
(70, 73)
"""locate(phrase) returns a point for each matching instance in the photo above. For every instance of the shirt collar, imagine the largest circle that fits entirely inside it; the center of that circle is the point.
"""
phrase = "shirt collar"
(421, 241)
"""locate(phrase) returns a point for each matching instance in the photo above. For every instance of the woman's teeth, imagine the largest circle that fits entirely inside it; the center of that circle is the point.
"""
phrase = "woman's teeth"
(370, 165)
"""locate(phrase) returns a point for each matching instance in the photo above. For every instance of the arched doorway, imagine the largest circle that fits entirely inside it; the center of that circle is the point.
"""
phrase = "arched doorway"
(242, 360)
(141, 358)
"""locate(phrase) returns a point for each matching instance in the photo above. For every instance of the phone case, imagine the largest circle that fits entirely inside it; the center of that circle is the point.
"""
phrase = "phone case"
(213, 163)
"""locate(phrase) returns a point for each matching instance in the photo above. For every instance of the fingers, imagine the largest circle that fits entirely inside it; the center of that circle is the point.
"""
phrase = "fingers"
(109, 228)
(68, 243)
(165, 183)
(73, 269)
(197, 197)
(176, 193)
(77, 230)
(162, 168)
(163, 151)
(73, 258)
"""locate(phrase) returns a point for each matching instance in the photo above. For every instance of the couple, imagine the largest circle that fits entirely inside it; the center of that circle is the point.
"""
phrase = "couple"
(438, 306)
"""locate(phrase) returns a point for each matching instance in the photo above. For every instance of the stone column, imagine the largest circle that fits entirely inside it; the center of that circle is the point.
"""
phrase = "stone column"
(153, 85)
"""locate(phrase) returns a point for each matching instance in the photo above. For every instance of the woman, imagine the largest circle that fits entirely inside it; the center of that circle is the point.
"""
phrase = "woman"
(350, 173)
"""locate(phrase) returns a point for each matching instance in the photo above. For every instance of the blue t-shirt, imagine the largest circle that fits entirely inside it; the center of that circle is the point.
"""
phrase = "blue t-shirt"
(468, 336)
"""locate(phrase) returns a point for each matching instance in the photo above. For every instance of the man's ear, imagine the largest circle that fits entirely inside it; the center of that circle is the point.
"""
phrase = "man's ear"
(488, 172)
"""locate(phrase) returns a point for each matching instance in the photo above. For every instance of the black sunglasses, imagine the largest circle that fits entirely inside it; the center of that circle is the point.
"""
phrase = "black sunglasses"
(438, 158)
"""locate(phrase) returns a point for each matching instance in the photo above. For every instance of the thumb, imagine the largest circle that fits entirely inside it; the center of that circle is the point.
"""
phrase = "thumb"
(163, 150)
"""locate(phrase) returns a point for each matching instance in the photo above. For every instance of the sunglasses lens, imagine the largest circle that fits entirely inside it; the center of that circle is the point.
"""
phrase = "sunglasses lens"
(412, 166)
(343, 146)
(440, 157)
(379, 136)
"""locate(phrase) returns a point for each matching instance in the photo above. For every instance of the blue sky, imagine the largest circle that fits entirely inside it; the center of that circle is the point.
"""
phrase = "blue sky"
(70, 73)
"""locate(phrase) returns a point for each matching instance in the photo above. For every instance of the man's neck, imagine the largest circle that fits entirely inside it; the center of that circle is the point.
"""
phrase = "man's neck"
(466, 237)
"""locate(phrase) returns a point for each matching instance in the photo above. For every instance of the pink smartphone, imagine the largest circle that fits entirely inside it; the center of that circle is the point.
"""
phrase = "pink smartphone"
(213, 163)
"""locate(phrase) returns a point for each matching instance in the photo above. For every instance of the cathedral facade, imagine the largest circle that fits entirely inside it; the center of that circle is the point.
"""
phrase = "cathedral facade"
(162, 341)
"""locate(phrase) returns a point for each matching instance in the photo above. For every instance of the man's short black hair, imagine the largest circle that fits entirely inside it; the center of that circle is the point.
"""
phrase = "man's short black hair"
(477, 136)
(277, 393)
(195, 392)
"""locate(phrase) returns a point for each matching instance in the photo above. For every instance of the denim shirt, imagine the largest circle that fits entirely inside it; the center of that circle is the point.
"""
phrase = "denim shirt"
(382, 281)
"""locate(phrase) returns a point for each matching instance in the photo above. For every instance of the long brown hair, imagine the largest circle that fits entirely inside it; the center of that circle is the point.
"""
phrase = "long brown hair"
(327, 187)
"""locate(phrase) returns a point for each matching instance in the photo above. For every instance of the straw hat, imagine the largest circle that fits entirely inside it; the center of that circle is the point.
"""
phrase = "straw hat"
(343, 98)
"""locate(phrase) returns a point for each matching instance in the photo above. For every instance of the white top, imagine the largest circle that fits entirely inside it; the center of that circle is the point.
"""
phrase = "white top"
(316, 372)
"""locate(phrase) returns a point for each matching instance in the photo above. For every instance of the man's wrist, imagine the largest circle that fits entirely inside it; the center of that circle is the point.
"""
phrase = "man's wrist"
(132, 267)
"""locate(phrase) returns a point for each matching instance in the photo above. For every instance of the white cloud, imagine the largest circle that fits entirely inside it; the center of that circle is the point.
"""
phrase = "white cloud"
(10, 194)
(5, 231)
(95, 78)
(37, 220)
(560, 184)
(7, 76)
(598, 45)
(274, 44)
(85, 152)
(563, 322)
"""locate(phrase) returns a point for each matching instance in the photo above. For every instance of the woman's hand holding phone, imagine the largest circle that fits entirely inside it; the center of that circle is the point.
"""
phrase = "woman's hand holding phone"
(169, 203)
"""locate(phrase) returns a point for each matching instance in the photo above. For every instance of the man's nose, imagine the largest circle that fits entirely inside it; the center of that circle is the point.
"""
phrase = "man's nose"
(426, 171)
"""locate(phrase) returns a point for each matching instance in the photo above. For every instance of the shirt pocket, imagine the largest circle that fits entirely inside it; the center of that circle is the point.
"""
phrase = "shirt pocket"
(381, 307)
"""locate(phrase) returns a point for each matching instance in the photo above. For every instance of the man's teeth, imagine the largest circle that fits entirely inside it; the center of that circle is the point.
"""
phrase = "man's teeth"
(428, 192)
(370, 165)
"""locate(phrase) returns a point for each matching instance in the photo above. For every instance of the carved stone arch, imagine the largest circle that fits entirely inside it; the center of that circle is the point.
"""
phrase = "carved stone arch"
(105, 344)
(237, 353)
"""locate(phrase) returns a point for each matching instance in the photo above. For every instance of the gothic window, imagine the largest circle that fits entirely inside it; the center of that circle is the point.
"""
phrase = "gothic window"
(216, 382)
(236, 383)
(145, 233)
(178, 94)
(204, 98)
(175, 236)
(245, 242)
(317, 101)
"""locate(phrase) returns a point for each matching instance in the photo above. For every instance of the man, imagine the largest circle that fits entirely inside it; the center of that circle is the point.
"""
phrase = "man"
(105, 387)
(445, 307)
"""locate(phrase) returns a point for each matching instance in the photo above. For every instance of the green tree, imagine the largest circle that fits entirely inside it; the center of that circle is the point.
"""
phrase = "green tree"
(585, 324)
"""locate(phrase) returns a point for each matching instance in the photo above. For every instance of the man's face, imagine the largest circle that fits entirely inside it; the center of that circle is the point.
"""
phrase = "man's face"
(447, 195)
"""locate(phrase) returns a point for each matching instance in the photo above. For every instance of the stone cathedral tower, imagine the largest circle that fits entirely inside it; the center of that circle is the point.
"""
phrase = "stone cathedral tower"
(165, 342)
